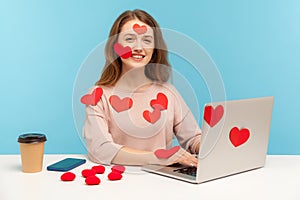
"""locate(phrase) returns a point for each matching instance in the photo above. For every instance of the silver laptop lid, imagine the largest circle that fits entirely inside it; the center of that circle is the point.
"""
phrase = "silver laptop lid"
(234, 137)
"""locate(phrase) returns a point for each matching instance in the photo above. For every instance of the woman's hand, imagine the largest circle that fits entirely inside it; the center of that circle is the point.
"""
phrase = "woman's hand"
(180, 156)
(187, 159)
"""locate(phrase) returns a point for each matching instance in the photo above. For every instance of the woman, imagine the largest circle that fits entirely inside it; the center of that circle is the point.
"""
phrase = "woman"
(134, 112)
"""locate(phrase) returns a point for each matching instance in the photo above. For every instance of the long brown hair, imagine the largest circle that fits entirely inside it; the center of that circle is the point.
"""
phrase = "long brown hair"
(158, 68)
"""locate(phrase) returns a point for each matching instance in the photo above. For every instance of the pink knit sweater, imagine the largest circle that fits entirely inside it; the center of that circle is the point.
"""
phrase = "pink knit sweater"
(141, 119)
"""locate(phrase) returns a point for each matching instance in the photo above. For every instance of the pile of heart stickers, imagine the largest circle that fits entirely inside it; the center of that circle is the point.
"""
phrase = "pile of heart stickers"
(91, 177)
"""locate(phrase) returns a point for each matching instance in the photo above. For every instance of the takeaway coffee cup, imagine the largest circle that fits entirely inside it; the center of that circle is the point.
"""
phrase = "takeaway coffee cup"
(32, 151)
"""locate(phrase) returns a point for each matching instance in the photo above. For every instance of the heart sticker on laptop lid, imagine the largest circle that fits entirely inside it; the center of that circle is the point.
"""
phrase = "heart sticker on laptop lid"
(213, 115)
(239, 136)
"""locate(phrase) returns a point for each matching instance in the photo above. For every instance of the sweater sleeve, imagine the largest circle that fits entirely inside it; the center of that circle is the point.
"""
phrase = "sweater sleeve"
(185, 127)
(99, 142)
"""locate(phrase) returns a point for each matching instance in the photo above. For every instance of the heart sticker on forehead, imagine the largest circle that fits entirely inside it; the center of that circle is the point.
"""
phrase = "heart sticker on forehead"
(139, 29)
(123, 52)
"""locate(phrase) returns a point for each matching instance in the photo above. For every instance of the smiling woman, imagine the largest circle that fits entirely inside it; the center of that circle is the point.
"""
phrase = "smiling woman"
(133, 29)
(138, 112)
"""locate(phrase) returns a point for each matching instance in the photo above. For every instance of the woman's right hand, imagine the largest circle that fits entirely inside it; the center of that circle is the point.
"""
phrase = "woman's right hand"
(182, 157)
(187, 159)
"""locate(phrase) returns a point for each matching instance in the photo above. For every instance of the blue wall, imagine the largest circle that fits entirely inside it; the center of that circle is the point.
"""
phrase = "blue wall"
(255, 44)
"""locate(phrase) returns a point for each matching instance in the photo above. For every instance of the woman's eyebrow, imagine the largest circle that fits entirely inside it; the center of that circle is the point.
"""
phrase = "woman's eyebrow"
(148, 36)
(129, 34)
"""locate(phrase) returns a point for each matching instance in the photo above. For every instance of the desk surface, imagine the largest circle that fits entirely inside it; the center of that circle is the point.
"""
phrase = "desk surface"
(279, 179)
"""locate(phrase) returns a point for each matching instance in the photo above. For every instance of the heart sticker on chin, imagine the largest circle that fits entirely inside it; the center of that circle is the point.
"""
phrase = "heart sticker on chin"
(238, 137)
(161, 102)
(213, 116)
(139, 29)
(120, 104)
(153, 116)
(92, 99)
(123, 52)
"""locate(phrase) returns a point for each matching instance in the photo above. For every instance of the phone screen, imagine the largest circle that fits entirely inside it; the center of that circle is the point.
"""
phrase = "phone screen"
(66, 164)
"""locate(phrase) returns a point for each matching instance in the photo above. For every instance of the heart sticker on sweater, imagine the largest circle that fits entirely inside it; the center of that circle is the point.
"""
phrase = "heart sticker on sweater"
(161, 102)
(238, 137)
(123, 52)
(120, 104)
(153, 116)
(165, 154)
(213, 115)
(92, 99)
(139, 29)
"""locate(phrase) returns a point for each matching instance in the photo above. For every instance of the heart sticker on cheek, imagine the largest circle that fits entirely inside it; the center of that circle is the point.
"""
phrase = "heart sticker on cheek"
(92, 99)
(120, 104)
(153, 116)
(213, 116)
(123, 52)
(139, 29)
(238, 137)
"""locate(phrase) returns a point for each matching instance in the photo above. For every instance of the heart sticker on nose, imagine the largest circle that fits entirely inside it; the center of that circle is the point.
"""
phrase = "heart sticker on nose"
(123, 52)
(213, 115)
(238, 137)
(139, 29)
(153, 116)
(161, 102)
(120, 104)
(92, 99)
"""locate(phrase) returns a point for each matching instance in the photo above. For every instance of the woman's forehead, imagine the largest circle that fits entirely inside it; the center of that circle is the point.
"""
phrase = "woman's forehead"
(131, 26)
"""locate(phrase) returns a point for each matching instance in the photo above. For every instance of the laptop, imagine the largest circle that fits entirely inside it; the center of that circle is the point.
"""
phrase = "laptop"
(234, 139)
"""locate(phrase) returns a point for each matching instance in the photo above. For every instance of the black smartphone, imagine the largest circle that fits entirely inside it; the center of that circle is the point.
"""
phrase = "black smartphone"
(66, 164)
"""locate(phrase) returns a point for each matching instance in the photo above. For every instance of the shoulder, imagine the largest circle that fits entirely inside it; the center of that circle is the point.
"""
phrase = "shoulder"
(94, 95)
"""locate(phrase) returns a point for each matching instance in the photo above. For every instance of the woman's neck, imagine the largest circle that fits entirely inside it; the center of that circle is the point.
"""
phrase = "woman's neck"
(134, 80)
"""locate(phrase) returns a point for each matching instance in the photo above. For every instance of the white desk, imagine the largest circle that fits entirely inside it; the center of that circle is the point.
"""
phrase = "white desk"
(278, 180)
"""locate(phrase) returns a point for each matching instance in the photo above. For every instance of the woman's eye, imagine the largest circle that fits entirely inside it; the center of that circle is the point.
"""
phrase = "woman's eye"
(129, 39)
(148, 41)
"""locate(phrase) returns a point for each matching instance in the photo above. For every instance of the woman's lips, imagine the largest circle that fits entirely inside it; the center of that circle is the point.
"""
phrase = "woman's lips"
(137, 57)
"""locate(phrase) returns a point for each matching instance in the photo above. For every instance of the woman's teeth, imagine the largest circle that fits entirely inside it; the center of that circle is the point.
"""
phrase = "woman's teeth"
(137, 56)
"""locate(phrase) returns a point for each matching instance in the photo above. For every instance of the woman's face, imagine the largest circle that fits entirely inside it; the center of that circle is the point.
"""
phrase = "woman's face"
(140, 38)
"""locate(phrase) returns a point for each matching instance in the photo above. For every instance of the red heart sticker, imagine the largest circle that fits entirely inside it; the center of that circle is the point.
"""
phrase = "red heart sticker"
(92, 99)
(114, 176)
(118, 169)
(100, 169)
(153, 116)
(88, 172)
(124, 52)
(213, 116)
(238, 137)
(139, 29)
(120, 104)
(92, 180)
(164, 154)
(161, 102)
(68, 176)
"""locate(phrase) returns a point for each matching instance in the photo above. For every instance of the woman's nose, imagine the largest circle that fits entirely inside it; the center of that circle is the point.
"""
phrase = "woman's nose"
(138, 45)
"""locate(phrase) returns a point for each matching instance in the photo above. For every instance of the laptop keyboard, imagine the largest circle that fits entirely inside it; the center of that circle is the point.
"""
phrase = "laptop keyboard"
(192, 171)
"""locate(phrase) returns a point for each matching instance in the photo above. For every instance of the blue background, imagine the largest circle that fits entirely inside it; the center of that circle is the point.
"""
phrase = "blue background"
(255, 44)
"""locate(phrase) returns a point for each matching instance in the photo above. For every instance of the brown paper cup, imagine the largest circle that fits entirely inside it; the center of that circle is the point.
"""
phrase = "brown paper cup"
(32, 151)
